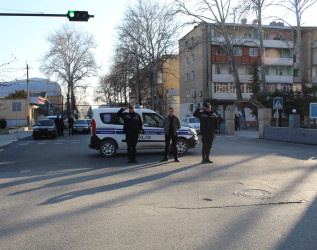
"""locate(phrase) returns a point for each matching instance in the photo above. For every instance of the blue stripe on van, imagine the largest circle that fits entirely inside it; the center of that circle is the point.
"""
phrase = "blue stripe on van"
(112, 131)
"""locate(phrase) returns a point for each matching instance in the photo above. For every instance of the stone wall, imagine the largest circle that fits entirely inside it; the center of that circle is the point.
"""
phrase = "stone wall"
(298, 135)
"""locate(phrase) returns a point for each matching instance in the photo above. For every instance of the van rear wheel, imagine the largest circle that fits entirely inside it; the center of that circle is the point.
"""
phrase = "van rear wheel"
(108, 148)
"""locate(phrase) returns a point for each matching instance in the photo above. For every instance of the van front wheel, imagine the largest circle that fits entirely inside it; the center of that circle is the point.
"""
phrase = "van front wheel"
(182, 146)
(108, 148)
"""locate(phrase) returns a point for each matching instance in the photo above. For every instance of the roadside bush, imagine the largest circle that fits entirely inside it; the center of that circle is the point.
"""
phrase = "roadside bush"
(3, 123)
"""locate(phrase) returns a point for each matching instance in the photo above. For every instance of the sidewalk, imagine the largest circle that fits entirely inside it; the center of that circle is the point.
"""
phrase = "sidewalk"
(6, 139)
(252, 133)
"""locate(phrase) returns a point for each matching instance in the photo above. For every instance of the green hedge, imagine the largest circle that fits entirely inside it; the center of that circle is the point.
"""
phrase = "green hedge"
(3, 123)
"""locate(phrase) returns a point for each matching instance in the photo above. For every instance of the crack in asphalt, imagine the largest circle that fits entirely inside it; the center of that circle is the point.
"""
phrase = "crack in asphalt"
(239, 206)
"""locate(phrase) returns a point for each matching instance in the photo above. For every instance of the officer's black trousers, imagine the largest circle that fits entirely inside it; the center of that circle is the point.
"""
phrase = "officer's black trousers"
(132, 140)
(168, 139)
(207, 140)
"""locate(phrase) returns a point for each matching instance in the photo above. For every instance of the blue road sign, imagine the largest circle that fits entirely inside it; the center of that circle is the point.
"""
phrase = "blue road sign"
(278, 103)
(313, 110)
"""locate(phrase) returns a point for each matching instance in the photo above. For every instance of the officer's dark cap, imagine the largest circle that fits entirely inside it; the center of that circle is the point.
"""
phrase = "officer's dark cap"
(131, 106)
(207, 105)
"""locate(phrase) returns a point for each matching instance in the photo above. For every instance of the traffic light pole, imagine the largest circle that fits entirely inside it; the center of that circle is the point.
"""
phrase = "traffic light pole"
(39, 15)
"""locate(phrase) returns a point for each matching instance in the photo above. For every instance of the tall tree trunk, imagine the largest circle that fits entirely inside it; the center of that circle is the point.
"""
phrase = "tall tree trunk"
(299, 46)
(263, 67)
(67, 101)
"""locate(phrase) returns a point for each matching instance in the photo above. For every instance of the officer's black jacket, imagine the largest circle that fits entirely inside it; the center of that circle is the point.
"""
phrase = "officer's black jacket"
(208, 122)
(132, 122)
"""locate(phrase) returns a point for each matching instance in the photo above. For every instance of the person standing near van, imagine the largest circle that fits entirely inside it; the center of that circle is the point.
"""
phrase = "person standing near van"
(70, 122)
(209, 129)
(133, 129)
(62, 126)
(58, 125)
(171, 125)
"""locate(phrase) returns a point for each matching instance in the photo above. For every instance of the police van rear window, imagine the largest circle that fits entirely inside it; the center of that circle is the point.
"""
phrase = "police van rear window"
(111, 118)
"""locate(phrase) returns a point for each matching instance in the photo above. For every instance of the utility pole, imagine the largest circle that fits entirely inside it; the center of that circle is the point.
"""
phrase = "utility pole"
(28, 96)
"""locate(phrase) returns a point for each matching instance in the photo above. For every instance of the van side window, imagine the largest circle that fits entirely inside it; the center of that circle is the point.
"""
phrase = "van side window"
(111, 118)
(152, 120)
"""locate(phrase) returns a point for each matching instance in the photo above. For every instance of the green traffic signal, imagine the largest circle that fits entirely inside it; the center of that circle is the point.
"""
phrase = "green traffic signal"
(74, 15)
(71, 13)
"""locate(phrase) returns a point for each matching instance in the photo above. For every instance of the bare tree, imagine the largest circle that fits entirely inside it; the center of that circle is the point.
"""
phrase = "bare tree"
(258, 6)
(219, 13)
(297, 7)
(150, 28)
(8, 71)
(70, 59)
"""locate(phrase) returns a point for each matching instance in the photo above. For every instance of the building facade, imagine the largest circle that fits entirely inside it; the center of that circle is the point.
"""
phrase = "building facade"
(45, 98)
(205, 68)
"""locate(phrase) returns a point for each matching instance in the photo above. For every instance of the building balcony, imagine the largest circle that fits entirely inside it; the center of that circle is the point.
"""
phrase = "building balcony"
(230, 96)
(229, 78)
(279, 79)
(279, 61)
(256, 43)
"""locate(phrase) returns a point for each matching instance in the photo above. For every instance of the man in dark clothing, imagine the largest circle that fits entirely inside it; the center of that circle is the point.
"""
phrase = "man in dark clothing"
(236, 122)
(133, 129)
(70, 122)
(58, 125)
(62, 125)
(209, 128)
(171, 125)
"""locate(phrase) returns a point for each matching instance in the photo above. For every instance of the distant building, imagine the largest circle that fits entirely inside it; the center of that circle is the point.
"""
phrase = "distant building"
(46, 98)
(167, 78)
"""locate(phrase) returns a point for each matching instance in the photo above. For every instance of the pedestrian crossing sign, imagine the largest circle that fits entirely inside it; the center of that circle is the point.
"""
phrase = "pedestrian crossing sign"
(278, 103)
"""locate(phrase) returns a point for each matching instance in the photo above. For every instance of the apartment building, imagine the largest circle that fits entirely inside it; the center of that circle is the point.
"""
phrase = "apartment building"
(167, 86)
(205, 70)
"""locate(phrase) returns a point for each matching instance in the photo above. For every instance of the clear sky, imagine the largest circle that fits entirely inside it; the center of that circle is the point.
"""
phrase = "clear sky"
(26, 37)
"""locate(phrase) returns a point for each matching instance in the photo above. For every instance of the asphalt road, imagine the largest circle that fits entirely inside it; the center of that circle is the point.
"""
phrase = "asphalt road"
(59, 194)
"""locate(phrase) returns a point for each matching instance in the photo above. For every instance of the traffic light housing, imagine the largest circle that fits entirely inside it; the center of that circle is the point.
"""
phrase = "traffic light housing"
(74, 15)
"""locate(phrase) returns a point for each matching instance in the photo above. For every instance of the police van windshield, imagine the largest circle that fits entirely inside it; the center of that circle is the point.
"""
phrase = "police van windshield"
(193, 120)
(152, 120)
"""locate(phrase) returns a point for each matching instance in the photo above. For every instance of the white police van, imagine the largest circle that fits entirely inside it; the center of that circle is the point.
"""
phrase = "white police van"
(108, 136)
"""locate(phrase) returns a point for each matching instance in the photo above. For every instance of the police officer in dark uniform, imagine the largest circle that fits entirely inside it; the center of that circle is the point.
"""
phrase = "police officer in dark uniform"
(133, 129)
(209, 128)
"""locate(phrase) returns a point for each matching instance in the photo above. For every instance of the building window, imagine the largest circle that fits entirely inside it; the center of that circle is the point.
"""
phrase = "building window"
(220, 51)
(229, 69)
(237, 51)
(247, 36)
(248, 70)
(272, 87)
(232, 88)
(192, 75)
(288, 87)
(193, 93)
(187, 93)
(186, 61)
(186, 77)
(221, 88)
(218, 71)
(192, 59)
(248, 89)
(253, 52)
(16, 107)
